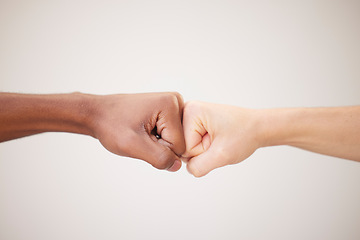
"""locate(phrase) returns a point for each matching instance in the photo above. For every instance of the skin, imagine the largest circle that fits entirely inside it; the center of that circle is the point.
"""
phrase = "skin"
(143, 126)
(148, 126)
(218, 135)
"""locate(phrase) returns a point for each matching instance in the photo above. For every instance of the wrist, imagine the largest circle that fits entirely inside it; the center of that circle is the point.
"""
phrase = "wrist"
(260, 122)
(252, 125)
(84, 112)
(278, 126)
(100, 111)
(71, 112)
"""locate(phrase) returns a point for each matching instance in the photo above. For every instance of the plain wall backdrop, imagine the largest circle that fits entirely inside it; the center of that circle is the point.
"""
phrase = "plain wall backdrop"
(256, 54)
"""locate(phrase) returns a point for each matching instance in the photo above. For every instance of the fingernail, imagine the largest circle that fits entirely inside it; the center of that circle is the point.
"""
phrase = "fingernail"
(176, 166)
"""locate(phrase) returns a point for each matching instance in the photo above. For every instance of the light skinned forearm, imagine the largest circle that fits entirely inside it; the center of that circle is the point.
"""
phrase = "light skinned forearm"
(27, 114)
(333, 131)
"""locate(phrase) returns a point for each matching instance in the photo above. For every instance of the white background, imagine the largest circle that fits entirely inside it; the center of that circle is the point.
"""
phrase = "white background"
(256, 54)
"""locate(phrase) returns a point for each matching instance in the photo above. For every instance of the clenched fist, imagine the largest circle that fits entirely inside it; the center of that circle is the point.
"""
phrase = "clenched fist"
(144, 126)
(217, 135)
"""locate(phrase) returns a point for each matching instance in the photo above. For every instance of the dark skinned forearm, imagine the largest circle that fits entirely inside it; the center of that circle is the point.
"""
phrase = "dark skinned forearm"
(28, 114)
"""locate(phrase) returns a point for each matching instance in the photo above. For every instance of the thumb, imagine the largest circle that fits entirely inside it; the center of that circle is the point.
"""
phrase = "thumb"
(154, 152)
(214, 157)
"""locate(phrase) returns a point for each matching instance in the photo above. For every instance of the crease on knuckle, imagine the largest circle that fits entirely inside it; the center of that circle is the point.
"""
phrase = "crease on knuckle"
(171, 100)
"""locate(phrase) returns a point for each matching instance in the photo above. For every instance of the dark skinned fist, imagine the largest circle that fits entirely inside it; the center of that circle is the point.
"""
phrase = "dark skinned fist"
(144, 126)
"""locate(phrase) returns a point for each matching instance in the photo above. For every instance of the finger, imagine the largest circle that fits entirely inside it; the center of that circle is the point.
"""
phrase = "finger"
(181, 103)
(197, 139)
(153, 152)
(211, 159)
(170, 127)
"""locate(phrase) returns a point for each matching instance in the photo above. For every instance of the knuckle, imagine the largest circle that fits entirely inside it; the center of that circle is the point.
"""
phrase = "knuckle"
(191, 107)
(177, 95)
(172, 99)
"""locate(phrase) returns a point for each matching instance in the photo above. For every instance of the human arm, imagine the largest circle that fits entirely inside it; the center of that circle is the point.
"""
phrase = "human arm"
(123, 123)
(217, 135)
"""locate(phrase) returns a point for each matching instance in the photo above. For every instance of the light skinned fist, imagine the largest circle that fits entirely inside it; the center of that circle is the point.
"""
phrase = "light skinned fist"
(218, 135)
